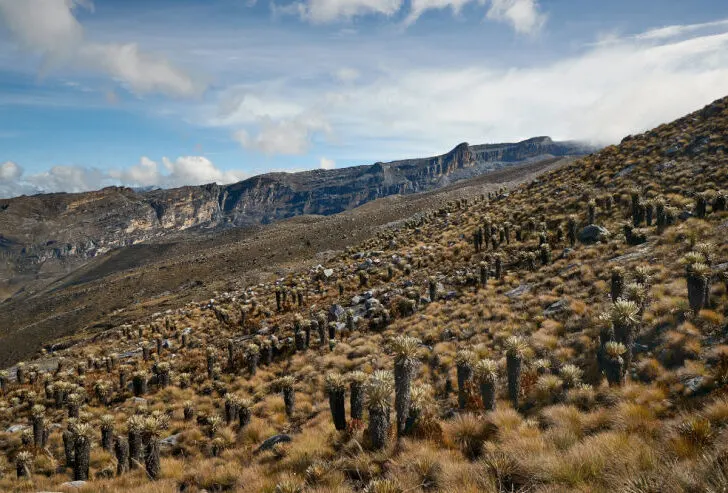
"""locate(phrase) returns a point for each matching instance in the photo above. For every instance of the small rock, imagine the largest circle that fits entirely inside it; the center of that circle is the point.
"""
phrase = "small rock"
(16, 428)
(139, 400)
(557, 307)
(271, 442)
(74, 484)
(328, 272)
(520, 290)
(685, 215)
(170, 441)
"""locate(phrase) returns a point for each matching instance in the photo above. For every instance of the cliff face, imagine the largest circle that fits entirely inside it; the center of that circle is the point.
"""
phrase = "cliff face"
(46, 232)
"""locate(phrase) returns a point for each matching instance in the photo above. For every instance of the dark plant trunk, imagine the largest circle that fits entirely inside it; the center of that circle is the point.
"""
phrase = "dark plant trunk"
(465, 376)
(68, 445)
(697, 292)
(513, 368)
(289, 400)
(22, 470)
(625, 335)
(332, 330)
(605, 335)
(38, 430)
(300, 341)
(617, 289)
(121, 450)
(139, 385)
(107, 439)
(337, 406)
(321, 333)
(253, 363)
(412, 417)
(151, 460)
(498, 268)
(307, 334)
(614, 370)
(403, 369)
(231, 411)
(231, 356)
(82, 451)
(378, 424)
(483, 275)
(122, 380)
(356, 400)
(487, 393)
(210, 367)
(135, 449)
(243, 417)
(266, 354)
(73, 410)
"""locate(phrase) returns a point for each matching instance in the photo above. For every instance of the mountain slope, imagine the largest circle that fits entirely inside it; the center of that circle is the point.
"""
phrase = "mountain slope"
(532, 361)
(45, 235)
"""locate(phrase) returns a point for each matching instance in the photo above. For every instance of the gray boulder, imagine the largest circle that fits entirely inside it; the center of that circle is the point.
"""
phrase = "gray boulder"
(593, 234)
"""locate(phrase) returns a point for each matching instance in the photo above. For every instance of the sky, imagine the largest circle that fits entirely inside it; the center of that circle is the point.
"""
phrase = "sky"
(166, 93)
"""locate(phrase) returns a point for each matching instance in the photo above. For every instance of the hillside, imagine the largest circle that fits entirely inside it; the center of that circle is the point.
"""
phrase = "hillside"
(43, 236)
(127, 283)
(566, 334)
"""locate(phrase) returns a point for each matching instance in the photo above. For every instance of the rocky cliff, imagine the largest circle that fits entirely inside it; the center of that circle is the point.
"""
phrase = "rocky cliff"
(46, 234)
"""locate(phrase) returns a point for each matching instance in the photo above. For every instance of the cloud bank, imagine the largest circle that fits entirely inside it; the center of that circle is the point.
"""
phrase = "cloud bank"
(187, 170)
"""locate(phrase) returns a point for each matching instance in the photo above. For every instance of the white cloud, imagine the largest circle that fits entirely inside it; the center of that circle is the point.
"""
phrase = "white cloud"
(319, 11)
(523, 15)
(327, 163)
(419, 7)
(50, 29)
(186, 170)
(599, 95)
(678, 30)
(283, 137)
(10, 171)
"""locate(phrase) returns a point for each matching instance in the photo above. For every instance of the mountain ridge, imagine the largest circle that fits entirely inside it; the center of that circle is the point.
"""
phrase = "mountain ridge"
(70, 228)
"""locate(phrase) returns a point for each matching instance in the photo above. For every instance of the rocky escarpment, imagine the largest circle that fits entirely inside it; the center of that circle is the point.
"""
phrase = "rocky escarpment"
(43, 234)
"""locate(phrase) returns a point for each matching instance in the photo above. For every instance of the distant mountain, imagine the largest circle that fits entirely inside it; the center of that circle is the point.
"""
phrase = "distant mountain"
(43, 229)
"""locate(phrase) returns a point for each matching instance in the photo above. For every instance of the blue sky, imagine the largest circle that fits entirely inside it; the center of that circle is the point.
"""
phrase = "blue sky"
(175, 92)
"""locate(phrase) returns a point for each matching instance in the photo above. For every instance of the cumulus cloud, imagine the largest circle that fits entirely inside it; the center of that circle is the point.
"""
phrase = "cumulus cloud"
(327, 163)
(50, 29)
(283, 137)
(186, 170)
(523, 15)
(10, 171)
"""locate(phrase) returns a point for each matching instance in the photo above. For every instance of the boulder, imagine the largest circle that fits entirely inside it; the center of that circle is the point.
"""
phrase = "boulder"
(593, 234)
(336, 313)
